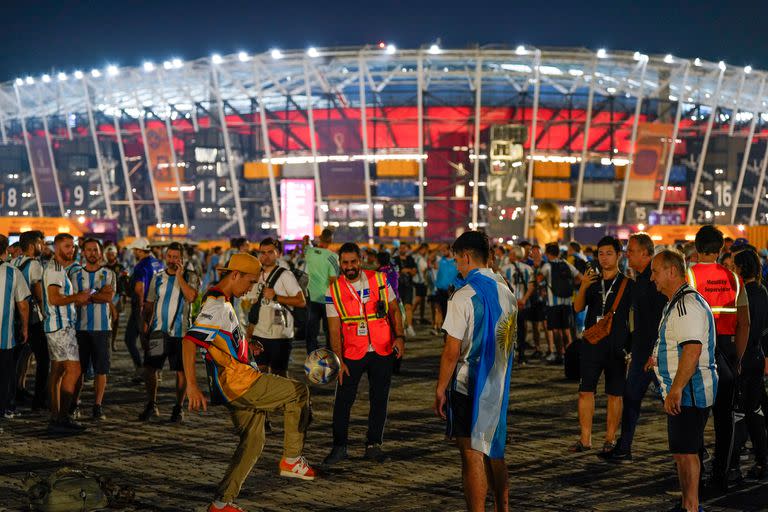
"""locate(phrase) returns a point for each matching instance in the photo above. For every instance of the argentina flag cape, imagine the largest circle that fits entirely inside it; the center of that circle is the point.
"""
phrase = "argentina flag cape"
(490, 362)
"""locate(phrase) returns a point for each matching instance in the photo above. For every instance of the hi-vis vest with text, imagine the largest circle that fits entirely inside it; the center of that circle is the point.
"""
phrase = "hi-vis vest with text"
(720, 288)
(379, 334)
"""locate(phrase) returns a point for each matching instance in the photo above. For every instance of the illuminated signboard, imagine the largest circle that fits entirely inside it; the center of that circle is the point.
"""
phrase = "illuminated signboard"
(297, 216)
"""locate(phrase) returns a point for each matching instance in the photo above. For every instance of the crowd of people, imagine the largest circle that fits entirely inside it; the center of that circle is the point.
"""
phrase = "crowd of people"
(689, 322)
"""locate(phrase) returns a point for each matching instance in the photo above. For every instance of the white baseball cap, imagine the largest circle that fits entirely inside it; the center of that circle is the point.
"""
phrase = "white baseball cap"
(141, 244)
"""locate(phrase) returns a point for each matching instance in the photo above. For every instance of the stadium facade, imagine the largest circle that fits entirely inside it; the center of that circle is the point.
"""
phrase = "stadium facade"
(384, 143)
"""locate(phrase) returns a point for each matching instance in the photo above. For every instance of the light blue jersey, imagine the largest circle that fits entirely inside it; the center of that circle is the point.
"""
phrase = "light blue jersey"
(32, 270)
(687, 318)
(14, 289)
(94, 316)
(168, 315)
(57, 317)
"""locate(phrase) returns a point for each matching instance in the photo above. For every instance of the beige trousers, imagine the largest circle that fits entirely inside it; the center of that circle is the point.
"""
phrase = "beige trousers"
(269, 393)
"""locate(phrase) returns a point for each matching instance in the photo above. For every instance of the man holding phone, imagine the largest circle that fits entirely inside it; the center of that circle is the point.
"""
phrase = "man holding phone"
(166, 319)
(94, 321)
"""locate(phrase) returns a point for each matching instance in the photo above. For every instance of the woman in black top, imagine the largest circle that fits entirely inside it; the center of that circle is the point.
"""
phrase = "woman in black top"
(753, 364)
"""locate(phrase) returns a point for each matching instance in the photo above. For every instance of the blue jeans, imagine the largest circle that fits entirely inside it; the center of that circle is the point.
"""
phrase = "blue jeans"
(316, 312)
(635, 388)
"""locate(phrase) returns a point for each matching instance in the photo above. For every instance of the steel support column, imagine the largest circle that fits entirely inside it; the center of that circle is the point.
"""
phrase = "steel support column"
(2, 128)
(54, 169)
(267, 147)
(148, 160)
(420, 135)
(105, 190)
(126, 177)
(735, 111)
(704, 146)
(228, 150)
(585, 145)
(532, 150)
(313, 140)
(476, 166)
(632, 142)
(23, 121)
(364, 133)
(747, 151)
(673, 142)
(759, 189)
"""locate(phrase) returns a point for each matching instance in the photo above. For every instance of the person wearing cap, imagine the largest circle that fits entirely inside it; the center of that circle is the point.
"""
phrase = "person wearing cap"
(248, 393)
(138, 288)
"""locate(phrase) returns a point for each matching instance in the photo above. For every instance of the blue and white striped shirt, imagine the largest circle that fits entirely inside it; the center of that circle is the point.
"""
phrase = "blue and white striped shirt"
(32, 270)
(14, 289)
(687, 319)
(94, 316)
(165, 294)
(57, 317)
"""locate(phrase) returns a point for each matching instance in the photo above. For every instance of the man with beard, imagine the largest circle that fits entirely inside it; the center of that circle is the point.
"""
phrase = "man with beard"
(362, 316)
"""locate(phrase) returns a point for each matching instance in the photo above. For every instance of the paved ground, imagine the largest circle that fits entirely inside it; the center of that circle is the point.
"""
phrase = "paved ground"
(176, 467)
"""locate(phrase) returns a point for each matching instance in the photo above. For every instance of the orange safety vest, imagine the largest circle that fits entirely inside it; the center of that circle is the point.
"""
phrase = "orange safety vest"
(347, 303)
(720, 288)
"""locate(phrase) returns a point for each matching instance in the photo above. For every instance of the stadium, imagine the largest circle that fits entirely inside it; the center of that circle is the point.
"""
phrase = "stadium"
(384, 143)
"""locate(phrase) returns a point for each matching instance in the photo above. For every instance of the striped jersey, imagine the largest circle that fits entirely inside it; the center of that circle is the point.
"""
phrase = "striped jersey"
(57, 317)
(32, 270)
(687, 318)
(94, 316)
(14, 289)
(518, 275)
(169, 310)
(546, 272)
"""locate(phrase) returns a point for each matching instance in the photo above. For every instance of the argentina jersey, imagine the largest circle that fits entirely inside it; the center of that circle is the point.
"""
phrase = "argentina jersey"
(687, 319)
(57, 317)
(13, 289)
(94, 316)
(32, 270)
(165, 294)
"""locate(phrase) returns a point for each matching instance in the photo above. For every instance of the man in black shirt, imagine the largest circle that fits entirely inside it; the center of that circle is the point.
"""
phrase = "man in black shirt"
(647, 307)
(597, 294)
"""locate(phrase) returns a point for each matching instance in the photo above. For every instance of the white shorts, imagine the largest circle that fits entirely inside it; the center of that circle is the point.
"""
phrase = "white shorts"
(62, 345)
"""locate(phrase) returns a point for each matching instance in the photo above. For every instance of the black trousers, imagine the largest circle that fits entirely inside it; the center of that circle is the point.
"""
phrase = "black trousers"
(750, 385)
(379, 370)
(316, 313)
(7, 379)
(39, 345)
(725, 354)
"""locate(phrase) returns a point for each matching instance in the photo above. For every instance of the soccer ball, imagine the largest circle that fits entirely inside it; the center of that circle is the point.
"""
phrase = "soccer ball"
(322, 366)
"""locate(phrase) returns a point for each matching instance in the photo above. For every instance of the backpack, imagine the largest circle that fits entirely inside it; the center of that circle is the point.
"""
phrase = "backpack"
(561, 280)
(67, 490)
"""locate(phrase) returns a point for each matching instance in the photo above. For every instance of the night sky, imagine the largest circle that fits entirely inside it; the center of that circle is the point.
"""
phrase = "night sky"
(42, 36)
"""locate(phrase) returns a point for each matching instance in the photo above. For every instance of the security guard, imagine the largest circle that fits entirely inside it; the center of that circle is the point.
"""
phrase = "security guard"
(362, 316)
(725, 295)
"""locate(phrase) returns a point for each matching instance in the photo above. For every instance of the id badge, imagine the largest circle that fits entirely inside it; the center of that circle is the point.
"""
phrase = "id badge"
(362, 329)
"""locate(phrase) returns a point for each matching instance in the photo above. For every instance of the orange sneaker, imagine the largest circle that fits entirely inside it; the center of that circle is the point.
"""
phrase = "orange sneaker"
(299, 469)
(228, 507)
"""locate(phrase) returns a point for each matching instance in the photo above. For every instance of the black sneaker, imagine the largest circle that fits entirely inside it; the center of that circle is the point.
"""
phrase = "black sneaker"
(66, 426)
(150, 411)
(177, 415)
(616, 455)
(338, 454)
(374, 452)
(98, 412)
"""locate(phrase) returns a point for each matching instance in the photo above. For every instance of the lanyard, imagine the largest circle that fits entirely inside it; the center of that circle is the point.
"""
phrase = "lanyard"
(357, 297)
(603, 294)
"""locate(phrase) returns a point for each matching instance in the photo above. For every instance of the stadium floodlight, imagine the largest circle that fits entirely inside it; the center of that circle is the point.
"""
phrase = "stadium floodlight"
(576, 72)
(747, 69)
(29, 80)
(46, 78)
(517, 68)
(176, 63)
(62, 76)
(167, 65)
(602, 54)
(216, 58)
(150, 66)
(276, 54)
(312, 52)
(637, 56)
(697, 62)
(391, 49)
(95, 73)
(243, 57)
(520, 50)
(721, 65)
(19, 81)
(669, 58)
(113, 70)
(550, 70)
(434, 49)
(79, 74)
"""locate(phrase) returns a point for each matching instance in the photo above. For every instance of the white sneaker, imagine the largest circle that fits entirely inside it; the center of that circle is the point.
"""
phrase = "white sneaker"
(551, 357)
(410, 332)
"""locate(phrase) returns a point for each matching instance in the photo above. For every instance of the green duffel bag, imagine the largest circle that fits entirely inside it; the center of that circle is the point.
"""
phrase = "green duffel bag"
(67, 490)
